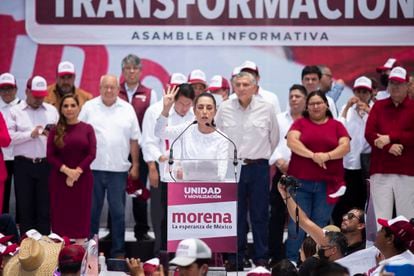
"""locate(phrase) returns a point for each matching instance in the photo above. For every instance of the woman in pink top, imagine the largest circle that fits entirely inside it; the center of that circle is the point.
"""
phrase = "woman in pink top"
(318, 144)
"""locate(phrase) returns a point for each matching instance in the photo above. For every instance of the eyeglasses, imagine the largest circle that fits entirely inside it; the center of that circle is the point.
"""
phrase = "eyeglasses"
(315, 104)
(350, 216)
(326, 247)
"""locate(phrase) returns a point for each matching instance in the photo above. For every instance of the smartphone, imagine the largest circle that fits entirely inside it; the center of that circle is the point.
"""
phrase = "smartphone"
(48, 127)
(117, 265)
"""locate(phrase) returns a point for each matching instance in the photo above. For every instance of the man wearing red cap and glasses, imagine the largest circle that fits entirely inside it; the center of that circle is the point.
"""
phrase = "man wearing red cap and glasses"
(390, 132)
(29, 126)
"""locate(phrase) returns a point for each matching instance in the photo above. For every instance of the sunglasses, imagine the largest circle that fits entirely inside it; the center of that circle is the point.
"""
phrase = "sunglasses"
(350, 216)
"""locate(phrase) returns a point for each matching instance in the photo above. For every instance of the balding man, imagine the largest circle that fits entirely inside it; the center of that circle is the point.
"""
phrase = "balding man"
(116, 139)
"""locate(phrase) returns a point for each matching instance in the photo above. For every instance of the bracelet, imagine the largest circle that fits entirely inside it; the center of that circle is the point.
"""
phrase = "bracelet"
(329, 156)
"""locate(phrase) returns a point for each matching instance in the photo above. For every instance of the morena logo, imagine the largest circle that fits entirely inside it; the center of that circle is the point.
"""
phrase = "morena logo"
(201, 218)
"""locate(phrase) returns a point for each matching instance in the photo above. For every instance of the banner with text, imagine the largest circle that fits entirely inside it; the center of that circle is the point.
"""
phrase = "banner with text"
(207, 211)
(232, 22)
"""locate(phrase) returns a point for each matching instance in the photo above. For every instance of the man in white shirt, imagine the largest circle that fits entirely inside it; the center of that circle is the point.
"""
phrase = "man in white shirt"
(117, 134)
(354, 116)
(251, 123)
(8, 91)
(311, 79)
(155, 153)
(281, 158)
(29, 126)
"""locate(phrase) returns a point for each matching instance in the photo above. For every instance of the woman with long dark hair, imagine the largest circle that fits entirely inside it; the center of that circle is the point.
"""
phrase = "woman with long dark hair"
(71, 148)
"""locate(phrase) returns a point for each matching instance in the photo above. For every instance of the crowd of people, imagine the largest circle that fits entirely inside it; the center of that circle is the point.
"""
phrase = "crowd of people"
(66, 151)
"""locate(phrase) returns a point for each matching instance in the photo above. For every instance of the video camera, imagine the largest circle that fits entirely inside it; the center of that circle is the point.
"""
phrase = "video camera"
(289, 181)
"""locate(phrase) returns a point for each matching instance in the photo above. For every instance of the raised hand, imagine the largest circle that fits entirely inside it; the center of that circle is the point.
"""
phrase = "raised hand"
(168, 99)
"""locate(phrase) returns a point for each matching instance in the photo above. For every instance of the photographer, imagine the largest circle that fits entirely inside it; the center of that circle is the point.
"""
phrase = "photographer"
(352, 226)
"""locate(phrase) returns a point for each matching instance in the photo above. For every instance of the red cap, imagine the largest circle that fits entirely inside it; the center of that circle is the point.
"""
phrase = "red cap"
(7, 79)
(249, 66)
(363, 82)
(398, 74)
(66, 68)
(218, 82)
(38, 86)
(197, 76)
(389, 64)
(402, 229)
(71, 254)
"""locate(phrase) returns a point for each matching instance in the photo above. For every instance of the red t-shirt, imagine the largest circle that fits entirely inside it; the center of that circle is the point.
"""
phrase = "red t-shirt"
(318, 138)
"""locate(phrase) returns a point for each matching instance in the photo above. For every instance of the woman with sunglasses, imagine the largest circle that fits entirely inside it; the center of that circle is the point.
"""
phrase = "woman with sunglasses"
(318, 144)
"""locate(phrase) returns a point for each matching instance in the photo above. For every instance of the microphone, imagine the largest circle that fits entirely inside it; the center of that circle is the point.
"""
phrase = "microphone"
(170, 159)
(235, 162)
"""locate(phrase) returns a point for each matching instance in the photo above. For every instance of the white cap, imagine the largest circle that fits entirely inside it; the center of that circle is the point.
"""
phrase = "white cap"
(218, 82)
(197, 76)
(38, 86)
(177, 79)
(363, 82)
(66, 68)
(235, 71)
(151, 265)
(390, 63)
(259, 271)
(189, 250)
(249, 65)
(7, 79)
(398, 74)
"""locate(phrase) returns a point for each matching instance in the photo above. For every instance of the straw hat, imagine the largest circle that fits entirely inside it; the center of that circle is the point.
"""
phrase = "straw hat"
(34, 258)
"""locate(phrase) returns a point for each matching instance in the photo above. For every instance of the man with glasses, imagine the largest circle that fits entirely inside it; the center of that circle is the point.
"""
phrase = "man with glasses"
(8, 91)
(332, 88)
(390, 132)
(352, 226)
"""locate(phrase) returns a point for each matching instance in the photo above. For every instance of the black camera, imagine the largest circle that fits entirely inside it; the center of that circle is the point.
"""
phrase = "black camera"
(289, 182)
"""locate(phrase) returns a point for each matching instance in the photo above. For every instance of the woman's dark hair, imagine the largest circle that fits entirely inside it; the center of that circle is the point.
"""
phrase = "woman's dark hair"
(299, 87)
(284, 268)
(62, 123)
(185, 90)
(205, 94)
(325, 100)
(309, 247)
(398, 243)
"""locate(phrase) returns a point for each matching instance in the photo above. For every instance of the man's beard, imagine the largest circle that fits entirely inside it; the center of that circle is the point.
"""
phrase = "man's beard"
(62, 93)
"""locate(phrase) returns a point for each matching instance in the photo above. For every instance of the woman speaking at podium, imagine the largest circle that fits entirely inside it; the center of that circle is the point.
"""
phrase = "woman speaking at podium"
(199, 140)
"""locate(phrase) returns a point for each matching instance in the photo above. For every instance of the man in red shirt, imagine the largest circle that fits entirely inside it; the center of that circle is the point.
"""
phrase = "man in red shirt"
(390, 132)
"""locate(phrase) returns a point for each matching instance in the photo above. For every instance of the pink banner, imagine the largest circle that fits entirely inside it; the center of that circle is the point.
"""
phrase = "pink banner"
(207, 211)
